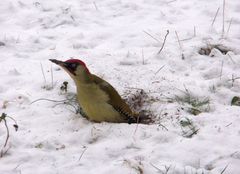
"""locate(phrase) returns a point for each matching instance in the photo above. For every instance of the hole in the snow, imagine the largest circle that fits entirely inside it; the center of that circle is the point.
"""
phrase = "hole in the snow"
(209, 49)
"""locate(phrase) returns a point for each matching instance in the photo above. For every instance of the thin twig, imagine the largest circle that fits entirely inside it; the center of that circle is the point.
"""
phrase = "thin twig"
(163, 42)
(69, 104)
(230, 23)
(143, 61)
(159, 69)
(4, 152)
(215, 16)
(44, 77)
(186, 39)
(6, 141)
(15, 168)
(72, 18)
(223, 19)
(49, 100)
(82, 153)
(178, 40)
(170, 1)
(233, 79)
(12, 119)
(3, 118)
(95, 5)
(52, 76)
(224, 169)
(180, 46)
(151, 36)
(231, 59)
(193, 133)
(167, 168)
(228, 124)
(136, 126)
(160, 124)
(194, 35)
(221, 70)
(156, 168)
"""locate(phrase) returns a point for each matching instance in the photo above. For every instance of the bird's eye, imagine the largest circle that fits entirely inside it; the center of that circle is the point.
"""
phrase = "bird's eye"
(73, 65)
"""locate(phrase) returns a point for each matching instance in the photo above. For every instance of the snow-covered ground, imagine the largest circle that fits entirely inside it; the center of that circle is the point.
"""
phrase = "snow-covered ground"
(119, 40)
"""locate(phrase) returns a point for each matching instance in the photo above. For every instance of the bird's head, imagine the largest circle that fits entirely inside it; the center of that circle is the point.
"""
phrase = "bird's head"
(74, 67)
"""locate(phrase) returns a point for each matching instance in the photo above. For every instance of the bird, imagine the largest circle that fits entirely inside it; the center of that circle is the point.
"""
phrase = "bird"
(98, 99)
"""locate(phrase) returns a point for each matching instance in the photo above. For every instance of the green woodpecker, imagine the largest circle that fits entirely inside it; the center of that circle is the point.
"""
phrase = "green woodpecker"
(97, 98)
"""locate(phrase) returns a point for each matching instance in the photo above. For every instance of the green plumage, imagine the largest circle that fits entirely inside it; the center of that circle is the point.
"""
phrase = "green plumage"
(98, 99)
(101, 102)
(115, 99)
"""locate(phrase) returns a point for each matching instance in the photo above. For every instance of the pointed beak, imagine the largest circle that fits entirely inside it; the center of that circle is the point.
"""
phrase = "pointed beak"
(64, 65)
(58, 62)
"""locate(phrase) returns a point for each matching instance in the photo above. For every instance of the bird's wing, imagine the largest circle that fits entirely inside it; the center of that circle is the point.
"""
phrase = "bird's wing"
(114, 98)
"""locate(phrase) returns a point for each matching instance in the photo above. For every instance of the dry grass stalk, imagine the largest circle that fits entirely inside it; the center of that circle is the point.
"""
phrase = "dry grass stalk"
(3, 118)
(221, 70)
(95, 5)
(151, 36)
(163, 42)
(85, 148)
(224, 169)
(52, 76)
(230, 23)
(159, 69)
(194, 31)
(180, 46)
(223, 19)
(230, 57)
(215, 16)
(167, 168)
(143, 58)
(70, 101)
(171, 1)
(44, 77)
(194, 35)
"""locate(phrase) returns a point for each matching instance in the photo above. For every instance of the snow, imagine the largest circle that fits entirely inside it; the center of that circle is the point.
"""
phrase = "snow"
(113, 38)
